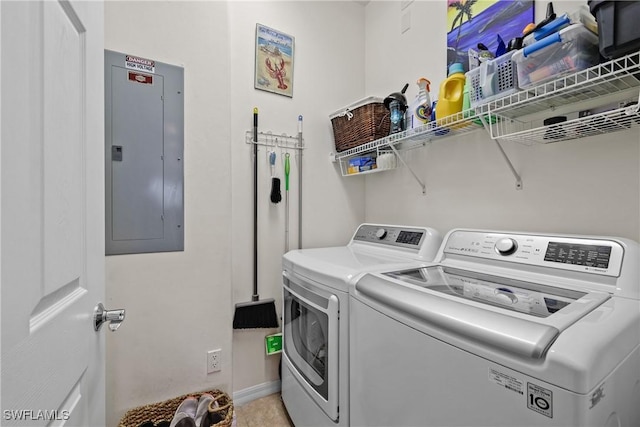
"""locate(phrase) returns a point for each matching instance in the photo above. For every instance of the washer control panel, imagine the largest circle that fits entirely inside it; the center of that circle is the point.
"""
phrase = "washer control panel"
(599, 256)
(389, 235)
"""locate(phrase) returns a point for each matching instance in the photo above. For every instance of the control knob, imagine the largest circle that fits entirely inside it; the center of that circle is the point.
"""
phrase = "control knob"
(506, 246)
(381, 233)
(506, 296)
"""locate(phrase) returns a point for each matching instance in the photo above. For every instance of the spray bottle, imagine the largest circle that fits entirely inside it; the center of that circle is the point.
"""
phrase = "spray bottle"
(421, 106)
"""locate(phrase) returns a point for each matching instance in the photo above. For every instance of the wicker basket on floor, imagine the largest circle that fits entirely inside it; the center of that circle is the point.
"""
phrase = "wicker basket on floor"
(164, 411)
(361, 122)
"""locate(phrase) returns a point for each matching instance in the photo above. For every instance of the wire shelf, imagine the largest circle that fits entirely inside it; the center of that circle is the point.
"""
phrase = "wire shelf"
(616, 120)
(617, 76)
(454, 125)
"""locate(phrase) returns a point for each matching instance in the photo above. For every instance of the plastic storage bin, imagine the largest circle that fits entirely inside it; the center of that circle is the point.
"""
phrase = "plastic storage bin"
(361, 164)
(580, 15)
(572, 49)
(363, 121)
(492, 79)
(618, 26)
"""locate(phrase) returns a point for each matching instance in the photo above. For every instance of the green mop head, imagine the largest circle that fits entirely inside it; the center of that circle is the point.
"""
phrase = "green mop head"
(255, 314)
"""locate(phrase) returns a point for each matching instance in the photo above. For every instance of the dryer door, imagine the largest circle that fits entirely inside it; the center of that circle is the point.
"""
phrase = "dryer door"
(311, 340)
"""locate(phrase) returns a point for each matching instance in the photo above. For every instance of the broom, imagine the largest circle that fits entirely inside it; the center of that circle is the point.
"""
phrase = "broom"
(255, 313)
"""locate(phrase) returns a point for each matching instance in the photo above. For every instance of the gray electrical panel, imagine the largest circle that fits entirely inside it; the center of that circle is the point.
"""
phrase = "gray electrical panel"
(144, 146)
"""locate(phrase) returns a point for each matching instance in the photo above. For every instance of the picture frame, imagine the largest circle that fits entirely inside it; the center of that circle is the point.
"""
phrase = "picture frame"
(274, 61)
(471, 22)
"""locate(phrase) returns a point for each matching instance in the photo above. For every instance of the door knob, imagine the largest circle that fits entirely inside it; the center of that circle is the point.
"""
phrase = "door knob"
(113, 317)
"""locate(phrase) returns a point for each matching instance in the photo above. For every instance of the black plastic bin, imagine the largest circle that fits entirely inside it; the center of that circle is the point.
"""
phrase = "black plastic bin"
(618, 26)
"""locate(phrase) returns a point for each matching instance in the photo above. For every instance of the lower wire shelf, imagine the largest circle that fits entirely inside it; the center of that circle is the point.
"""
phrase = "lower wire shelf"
(397, 144)
(616, 120)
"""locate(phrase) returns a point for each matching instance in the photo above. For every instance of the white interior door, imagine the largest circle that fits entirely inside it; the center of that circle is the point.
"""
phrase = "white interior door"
(52, 212)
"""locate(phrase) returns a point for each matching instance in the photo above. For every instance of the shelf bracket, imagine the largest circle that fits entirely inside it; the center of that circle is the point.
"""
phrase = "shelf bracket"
(513, 170)
(399, 157)
(487, 125)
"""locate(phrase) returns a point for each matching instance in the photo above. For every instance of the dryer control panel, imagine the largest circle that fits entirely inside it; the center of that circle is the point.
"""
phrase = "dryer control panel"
(590, 255)
(391, 235)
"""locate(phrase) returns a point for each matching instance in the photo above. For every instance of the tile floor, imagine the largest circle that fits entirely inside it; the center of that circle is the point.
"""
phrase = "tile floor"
(266, 411)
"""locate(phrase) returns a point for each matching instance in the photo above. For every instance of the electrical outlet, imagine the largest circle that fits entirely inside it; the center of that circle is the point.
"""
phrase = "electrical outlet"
(214, 364)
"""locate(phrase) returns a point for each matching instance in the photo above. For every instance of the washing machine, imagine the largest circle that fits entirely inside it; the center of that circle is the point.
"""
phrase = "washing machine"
(315, 358)
(504, 329)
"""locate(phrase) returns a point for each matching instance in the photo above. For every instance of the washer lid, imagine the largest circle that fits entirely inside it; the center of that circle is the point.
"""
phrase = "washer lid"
(337, 266)
(519, 317)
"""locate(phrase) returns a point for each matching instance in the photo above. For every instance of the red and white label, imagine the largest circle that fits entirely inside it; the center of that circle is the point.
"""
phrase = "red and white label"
(140, 64)
(140, 78)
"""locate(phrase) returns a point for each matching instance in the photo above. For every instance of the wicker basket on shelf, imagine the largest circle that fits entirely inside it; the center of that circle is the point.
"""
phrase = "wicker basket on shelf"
(221, 407)
(361, 122)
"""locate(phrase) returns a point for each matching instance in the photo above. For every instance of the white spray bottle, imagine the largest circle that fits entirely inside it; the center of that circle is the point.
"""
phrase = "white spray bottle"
(421, 106)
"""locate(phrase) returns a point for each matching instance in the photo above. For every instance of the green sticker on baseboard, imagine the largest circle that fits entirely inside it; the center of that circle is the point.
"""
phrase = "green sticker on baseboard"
(273, 344)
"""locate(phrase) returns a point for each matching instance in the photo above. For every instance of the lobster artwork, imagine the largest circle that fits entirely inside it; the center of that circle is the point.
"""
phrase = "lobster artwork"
(277, 72)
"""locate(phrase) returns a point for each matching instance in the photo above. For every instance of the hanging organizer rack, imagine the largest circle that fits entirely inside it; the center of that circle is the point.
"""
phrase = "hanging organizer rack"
(284, 142)
(269, 139)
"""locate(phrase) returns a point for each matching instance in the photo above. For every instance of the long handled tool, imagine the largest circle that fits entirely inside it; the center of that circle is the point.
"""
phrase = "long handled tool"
(299, 155)
(287, 169)
(255, 313)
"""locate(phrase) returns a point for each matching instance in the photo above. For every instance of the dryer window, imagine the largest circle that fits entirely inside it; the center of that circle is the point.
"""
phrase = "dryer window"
(306, 341)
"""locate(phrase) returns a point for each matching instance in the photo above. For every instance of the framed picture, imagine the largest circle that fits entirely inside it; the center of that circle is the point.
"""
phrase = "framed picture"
(274, 61)
(473, 22)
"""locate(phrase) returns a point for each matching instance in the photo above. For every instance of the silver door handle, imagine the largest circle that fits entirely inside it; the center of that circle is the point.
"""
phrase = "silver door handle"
(100, 316)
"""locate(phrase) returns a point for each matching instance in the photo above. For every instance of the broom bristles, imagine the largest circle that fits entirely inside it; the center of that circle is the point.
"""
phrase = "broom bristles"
(255, 314)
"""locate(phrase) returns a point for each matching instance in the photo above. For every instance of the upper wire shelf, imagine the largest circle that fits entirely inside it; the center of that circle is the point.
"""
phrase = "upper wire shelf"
(620, 75)
(454, 125)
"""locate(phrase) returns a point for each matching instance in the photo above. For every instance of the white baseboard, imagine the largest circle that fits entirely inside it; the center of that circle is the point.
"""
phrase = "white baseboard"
(247, 395)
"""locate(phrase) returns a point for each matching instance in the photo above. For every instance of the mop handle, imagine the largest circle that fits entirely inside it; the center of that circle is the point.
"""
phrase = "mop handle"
(287, 168)
(255, 296)
(300, 181)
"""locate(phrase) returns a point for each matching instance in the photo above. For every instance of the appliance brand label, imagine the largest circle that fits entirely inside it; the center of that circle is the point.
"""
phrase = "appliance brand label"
(506, 381)
(540, 400)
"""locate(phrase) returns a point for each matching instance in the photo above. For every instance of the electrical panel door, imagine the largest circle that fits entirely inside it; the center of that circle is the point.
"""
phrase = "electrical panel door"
(144, 129)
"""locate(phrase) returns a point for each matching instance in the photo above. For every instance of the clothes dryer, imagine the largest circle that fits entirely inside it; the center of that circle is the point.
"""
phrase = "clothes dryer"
(315, 359)
(504, 329)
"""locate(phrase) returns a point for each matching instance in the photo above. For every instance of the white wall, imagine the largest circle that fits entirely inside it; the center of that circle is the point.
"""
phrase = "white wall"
(344, 52)
(586, 186)
(178, 304)
(328, 74)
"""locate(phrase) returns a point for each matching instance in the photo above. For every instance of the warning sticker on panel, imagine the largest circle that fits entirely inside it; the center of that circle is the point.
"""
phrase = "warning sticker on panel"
(140, 78)
(540, 399)
(140, 64)
(507, 381)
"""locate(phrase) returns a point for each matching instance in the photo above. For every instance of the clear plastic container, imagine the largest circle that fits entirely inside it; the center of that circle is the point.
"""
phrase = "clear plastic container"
(569, 50)
(580, 15)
